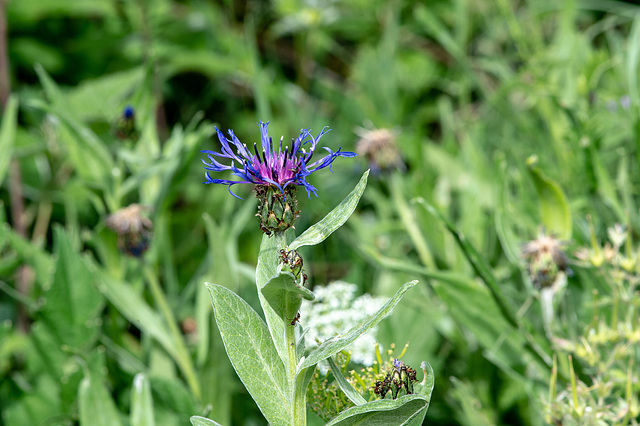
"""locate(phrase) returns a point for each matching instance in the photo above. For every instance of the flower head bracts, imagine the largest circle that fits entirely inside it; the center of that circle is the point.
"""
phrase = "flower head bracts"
(288, 166)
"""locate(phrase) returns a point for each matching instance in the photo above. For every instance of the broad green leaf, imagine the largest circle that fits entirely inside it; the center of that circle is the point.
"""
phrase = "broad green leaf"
(102, 98)
(554, 208)
(266, 270)
(252, 354)
(334, 220)
(284, 295)
(88, 153)
(36, 406)
(406, 410)
(73, 300)
(214, 367)
(135, 309)
(30, 254)
(8, 134)
(51, 352)
(336, 344)
(286, 281)
(95, 405)
(203, 421)
(346, 387)
(141, 402)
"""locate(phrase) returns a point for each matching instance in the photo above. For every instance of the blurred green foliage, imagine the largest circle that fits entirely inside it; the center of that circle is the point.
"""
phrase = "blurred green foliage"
(471, 90)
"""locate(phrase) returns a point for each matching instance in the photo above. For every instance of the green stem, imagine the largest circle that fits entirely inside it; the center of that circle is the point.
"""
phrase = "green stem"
(184, 359)
(298, 396)
(290, 336)
(410, 222)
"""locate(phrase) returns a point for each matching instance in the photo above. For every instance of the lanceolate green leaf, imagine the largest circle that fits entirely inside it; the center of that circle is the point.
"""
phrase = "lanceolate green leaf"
(8, 134)
(135, 309)
(74, 302)
(406, 410)
(554, 208)
(203, 421)
(334, 220)
(346, 387)
(252, 353)
(334, 345)
(141, 402)
(95, 405)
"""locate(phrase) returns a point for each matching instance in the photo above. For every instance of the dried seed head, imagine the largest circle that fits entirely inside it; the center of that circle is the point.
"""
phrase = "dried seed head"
(133, 229)
(545, 259)
(380, 149)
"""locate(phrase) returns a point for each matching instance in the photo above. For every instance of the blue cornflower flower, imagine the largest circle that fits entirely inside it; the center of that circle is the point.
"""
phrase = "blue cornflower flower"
(282, 168)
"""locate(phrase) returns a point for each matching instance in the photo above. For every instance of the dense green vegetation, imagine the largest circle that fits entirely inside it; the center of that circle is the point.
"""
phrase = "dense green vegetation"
(512, 121)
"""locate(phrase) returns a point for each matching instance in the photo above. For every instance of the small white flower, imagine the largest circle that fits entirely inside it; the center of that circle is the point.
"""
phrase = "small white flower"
(336, 310)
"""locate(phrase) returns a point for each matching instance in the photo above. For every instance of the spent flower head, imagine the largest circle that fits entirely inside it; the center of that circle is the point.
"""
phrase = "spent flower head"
(380, 149)
(288, 165)
(546, 259)
(133, 228)
(326, 398)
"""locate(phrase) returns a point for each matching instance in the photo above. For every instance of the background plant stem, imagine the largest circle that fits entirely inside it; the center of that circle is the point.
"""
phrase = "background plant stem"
(184, 360)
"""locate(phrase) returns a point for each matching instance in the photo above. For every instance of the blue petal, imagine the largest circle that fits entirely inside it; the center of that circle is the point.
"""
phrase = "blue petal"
(226, 149)
(242, 149)
(215, 166)
(264, 136)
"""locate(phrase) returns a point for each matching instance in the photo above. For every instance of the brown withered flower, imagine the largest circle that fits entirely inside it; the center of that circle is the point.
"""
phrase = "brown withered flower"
(545, 258)
(134, 230)
(380, 149)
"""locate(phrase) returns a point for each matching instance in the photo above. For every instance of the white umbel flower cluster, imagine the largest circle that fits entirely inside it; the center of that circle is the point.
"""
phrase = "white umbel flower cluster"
(335, 310)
